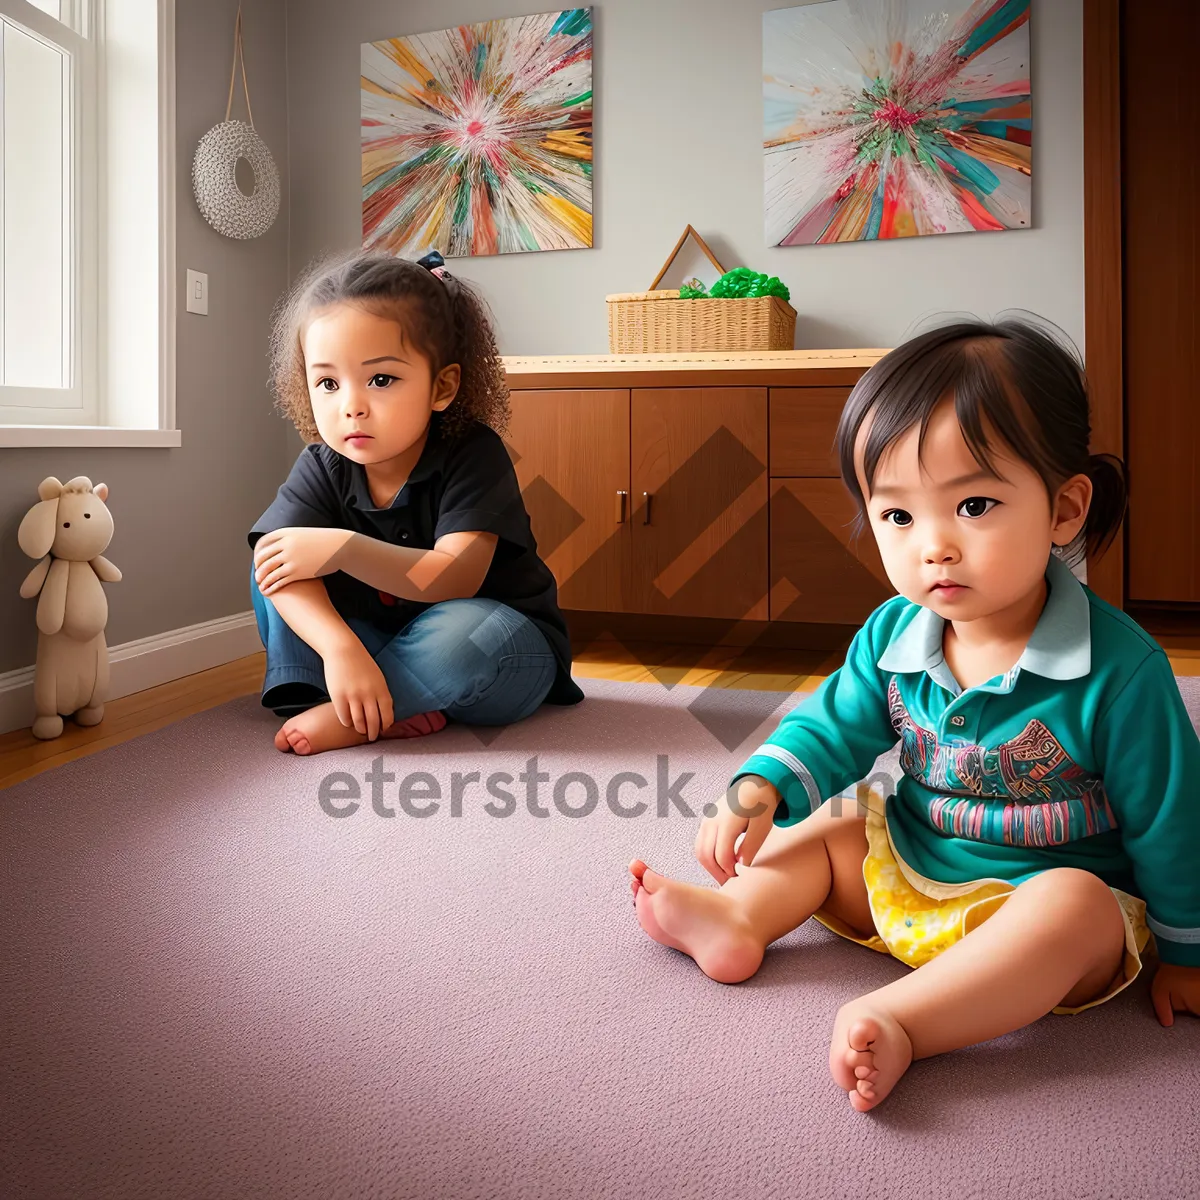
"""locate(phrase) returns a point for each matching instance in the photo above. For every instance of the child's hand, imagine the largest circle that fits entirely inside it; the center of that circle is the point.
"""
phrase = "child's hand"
(715, 841)
(1175, 989)
(287, 555)
(358, 690)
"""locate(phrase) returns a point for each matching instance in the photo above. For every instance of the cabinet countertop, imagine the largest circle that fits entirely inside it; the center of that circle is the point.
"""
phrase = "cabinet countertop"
(767, 368)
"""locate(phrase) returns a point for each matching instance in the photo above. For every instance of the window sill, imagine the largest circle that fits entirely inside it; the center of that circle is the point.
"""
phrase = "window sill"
(85, 435)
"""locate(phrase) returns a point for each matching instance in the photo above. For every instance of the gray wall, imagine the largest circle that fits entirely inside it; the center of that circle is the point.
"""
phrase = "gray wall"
(678, 130)
(181, 514)
(678, 124)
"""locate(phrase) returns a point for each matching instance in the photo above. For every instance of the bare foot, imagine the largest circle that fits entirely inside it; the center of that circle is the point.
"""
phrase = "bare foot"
(319, 729)
(702, 922)
(868, 1054)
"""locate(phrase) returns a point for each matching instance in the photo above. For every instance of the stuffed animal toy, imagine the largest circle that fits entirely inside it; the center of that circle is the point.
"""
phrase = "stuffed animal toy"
(67, 531)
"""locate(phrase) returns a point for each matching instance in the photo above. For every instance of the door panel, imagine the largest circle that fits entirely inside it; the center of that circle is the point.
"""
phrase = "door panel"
(571, 451)
(803, 424)
(817, 573)
(1160, 178)
(700, 501)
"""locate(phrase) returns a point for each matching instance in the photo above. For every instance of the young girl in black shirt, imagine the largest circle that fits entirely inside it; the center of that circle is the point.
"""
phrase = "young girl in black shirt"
(396, 579)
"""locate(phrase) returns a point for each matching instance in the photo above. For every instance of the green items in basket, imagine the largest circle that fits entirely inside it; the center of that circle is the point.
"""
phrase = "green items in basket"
(739, 284)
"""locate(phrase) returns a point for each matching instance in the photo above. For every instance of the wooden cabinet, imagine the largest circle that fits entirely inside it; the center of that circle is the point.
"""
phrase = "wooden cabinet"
(803, 424)
(571, 452)
(678, 526)
(700, 502)
(691, 492)
(819, 572)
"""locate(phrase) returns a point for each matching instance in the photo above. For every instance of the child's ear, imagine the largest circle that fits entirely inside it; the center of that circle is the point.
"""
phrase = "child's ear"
(1070, 510)
(445, 386)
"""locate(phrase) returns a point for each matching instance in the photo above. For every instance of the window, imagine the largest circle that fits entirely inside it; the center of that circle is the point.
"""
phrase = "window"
(86, 147)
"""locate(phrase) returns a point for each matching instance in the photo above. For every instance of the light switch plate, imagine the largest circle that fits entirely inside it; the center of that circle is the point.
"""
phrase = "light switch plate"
(197, 292)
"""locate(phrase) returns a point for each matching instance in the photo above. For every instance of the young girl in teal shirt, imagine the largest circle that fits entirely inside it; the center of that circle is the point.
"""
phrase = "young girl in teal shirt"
(1045, 831)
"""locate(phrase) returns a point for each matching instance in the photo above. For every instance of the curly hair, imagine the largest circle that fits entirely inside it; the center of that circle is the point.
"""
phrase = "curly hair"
(446, 318)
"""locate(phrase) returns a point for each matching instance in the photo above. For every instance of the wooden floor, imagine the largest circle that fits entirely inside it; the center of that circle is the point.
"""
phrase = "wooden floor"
(22, 756)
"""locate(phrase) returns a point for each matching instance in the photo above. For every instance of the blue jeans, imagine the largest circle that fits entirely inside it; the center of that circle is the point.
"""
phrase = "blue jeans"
(479, 661)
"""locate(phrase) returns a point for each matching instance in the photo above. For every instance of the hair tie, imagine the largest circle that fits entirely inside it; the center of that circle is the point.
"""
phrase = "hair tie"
(435, 264)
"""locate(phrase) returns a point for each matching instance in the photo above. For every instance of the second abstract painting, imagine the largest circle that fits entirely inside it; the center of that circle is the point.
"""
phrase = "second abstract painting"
(478, 139)
(896, 118)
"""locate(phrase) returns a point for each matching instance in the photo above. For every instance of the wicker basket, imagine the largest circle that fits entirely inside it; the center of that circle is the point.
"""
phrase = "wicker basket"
(658, 322)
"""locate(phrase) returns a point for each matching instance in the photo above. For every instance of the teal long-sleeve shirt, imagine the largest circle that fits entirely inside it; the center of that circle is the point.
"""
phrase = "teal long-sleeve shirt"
(1082, 754)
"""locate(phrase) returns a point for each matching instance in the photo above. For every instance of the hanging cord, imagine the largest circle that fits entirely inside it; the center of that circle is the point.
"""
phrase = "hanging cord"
(238, 56)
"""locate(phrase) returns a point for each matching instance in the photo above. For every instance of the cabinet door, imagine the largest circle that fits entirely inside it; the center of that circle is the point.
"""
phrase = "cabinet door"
(571, 453)
(803, 424)
(817, 575)
(1159, 112)
(700, 502)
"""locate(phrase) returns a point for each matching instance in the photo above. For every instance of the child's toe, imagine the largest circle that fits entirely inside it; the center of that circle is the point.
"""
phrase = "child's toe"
(299, 742)
(652, 881)
(863, 1033)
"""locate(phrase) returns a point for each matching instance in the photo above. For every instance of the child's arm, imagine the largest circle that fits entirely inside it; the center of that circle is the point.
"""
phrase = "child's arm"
(308, 611)
(454, 568)
(1149, 757)
(307, 503)
(825, 743)
(356, 686)
(832, 739)
(479, 505)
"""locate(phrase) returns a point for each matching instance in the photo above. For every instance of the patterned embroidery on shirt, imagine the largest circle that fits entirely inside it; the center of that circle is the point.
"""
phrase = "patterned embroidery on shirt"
(1043, 797)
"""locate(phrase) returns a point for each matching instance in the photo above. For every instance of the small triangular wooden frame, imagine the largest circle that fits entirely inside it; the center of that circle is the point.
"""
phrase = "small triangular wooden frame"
(688, 232)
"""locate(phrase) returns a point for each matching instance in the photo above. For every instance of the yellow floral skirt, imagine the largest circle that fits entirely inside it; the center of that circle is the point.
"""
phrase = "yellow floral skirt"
(917, 918)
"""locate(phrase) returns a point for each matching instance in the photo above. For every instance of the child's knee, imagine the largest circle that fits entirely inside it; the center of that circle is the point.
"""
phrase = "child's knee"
(1073, 895)
(841, 810)
(486, 626)
(460, 636)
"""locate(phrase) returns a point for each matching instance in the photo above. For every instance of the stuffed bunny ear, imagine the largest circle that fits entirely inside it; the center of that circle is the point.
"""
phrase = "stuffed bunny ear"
(101, 490)
(49, 489)
(36, 533)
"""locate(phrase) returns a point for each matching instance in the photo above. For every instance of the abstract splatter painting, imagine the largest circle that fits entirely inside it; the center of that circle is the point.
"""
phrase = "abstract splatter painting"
(478, 140)
(896, 118)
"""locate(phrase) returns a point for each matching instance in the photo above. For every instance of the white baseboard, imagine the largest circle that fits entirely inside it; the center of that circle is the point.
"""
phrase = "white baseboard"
(145, 663)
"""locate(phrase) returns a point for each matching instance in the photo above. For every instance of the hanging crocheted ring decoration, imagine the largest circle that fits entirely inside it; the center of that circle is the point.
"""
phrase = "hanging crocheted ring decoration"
(221, 201)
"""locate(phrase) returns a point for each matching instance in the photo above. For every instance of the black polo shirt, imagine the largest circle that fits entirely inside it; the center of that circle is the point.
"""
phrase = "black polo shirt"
(467, 483)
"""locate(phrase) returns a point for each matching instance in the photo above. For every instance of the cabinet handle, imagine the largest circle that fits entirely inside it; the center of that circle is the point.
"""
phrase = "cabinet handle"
(646, 496)
(621, 507)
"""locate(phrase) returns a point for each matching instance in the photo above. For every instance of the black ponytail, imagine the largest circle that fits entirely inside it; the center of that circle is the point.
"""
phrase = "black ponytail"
(1110, 500)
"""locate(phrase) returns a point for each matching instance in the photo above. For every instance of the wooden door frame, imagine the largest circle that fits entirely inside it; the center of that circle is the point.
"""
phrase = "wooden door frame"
(1102, 255)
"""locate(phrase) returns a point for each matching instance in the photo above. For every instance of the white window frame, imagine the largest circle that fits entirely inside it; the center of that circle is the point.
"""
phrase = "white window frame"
(123, 398)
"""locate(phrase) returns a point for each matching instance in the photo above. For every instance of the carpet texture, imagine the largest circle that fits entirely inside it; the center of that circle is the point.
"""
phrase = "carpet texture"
(212, 988)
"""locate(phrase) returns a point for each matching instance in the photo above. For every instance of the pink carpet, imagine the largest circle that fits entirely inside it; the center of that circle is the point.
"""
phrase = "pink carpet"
(211, 988)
